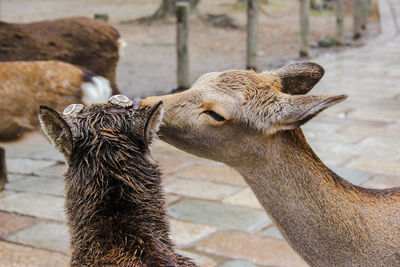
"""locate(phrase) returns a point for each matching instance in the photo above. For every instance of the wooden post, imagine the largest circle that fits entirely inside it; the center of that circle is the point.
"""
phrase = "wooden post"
(340, 22)
(182, 13)
(365, 11)
(252, 34)
(357, 18)
(3, 168)
(304, 27)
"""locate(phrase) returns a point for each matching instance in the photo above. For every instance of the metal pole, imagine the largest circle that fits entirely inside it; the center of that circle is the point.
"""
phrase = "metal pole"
(252, 33)
(182, 13)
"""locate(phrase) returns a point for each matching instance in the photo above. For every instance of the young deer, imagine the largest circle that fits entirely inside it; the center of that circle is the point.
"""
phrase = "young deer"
(114, 202)
(251, 122)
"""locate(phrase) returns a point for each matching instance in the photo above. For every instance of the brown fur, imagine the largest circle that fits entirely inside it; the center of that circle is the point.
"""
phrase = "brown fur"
(327, 220)
(114, 202)
(86, 42)
(24, 86)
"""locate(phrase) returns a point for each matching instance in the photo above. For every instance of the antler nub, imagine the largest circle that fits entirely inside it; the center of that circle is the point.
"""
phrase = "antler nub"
(121, 101)
(73, 109)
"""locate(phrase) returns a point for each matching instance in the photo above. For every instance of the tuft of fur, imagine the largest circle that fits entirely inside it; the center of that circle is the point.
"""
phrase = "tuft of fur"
(96, 89)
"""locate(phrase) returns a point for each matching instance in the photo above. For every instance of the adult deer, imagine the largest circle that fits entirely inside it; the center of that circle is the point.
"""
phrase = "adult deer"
(250, 121)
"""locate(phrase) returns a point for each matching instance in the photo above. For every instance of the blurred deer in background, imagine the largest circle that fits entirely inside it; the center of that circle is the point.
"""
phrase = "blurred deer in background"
(24, 86)
(251, 122)
(81, 41)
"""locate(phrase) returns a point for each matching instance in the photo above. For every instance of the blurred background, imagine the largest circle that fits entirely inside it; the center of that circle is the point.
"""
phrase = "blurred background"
(215, 218)
(148, 63)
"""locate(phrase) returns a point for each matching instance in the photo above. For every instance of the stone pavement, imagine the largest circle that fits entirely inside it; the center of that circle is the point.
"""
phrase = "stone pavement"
(215, 218)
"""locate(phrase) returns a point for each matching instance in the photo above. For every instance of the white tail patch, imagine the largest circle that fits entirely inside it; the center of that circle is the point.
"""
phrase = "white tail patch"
(97, 90)
(121, 46)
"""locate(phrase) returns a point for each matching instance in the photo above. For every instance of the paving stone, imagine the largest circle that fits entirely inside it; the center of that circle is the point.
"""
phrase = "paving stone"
(167, 179)
(162, 150)
(313, 135)
(34, 146)
(330, 159)
(353, 176)
(272, 232)
(48, 235)
(170, 165)
(347, 122)
(355, 130)
(26, 166)
(44, 206)
(15, 177)
(244, 198)
(333, 148)
(375, 114)
(199, 259)
(254, 248)
(185, 233)
(10, 223)
(56, 171)
(43, 185)
(201, 189)
(170, 199)
(379, 147)
(223, 215)
(219, 174)
(13, 255)
(376, 165)
(382, 182)
(6, 193)
(237, 263)
(320, 126)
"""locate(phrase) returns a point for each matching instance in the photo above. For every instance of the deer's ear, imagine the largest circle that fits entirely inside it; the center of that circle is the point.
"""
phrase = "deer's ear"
(299, 78)
(153, 122)
(300, 109)
(56, 129)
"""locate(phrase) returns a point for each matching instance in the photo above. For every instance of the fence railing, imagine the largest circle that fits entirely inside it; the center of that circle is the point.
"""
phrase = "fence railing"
(360, 15)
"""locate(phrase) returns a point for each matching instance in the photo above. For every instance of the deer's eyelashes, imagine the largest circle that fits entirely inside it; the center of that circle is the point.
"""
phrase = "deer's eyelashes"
(214, 115)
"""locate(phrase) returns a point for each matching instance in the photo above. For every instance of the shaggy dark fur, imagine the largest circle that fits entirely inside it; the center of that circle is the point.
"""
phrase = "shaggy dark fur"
(114, 201)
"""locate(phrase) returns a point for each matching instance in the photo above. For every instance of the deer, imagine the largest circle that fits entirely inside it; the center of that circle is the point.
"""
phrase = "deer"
(25, 85)
(251, 122)
(114, 201)
(89, 43)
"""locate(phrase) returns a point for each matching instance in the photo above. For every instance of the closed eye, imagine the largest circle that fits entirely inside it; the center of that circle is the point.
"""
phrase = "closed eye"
(214, 115)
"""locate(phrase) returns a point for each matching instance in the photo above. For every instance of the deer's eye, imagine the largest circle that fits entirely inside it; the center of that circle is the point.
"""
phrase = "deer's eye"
(214, 115)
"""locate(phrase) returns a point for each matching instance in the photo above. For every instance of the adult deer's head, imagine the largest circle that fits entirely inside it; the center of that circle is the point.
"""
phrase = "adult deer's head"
(224, 113)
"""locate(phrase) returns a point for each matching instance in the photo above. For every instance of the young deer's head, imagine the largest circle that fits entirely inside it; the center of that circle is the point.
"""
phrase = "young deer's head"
(223, 113)
(119, 123)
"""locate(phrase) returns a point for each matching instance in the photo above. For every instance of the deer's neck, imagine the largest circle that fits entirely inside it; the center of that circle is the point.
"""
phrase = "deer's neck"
(327, 220)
